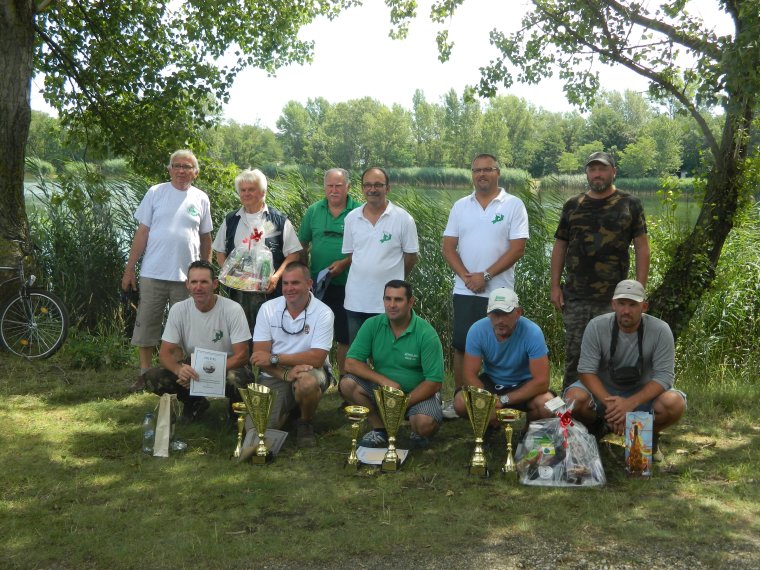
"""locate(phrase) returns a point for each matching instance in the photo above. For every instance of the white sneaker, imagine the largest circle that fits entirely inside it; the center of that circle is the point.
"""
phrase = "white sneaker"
(448, 411)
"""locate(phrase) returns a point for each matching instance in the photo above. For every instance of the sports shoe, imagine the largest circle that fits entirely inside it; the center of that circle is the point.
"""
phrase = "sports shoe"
(374, 438)
(448, 411)
(194, 409)
(305, 434)
(138, 385)
(417, 441)
(657, 455)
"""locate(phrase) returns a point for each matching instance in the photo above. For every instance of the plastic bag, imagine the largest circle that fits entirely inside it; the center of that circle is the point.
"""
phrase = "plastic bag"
(249, 266)
(558, 452)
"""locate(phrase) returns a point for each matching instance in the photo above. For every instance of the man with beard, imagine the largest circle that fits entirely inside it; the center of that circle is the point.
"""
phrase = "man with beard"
(591, 244)
(507, 355)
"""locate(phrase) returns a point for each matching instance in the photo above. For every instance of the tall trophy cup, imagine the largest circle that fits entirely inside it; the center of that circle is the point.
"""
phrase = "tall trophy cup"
(479, 404)
(258, 399)
(391, 405)
(356, 415)
(508, 416)
(240, 409)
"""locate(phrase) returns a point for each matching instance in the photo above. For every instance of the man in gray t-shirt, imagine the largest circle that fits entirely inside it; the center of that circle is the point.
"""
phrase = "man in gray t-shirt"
(627, 363)
(207, 321)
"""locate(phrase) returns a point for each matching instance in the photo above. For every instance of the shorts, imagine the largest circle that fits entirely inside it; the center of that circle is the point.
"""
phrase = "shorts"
(429, 407)
(597, 406)
(154, 295)
(355, 321)
(334, 297)
(285, 397)
(467, 310)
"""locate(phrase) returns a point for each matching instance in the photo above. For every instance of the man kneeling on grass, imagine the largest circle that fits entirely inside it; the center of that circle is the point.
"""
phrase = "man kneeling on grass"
(205, 320)
(627, 364)
(405, 352)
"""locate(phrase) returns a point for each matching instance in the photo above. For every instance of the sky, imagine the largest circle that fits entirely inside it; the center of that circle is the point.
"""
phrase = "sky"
(355, 58)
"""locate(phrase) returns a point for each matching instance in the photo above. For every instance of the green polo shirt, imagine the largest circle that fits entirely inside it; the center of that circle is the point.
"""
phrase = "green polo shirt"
(415, 356)
(325, 234)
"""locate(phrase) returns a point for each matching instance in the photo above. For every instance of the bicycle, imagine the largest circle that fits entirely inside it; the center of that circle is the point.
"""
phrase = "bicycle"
(34, 322)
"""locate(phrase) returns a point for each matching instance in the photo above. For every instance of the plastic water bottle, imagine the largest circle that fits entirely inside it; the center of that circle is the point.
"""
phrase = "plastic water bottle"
(149, 433)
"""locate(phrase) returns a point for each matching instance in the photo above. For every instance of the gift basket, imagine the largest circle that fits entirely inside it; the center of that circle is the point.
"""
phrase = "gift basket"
(249, 266)
(558, 452)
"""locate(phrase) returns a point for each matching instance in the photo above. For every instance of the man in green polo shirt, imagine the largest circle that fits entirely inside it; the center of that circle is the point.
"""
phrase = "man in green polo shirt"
(322, 228)
(406, 353)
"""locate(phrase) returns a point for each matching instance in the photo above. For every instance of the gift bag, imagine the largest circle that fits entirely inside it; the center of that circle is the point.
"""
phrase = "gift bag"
(167, 415)
(558, 452)
(249, 266)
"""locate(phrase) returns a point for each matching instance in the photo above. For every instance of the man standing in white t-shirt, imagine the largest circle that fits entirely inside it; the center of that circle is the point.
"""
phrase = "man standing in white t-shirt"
(204, 321)
(174, 230)
(484, 238)
(291, 341)
(381, 240)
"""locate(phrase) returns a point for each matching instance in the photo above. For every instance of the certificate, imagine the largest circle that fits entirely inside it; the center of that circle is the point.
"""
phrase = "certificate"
(211, 366)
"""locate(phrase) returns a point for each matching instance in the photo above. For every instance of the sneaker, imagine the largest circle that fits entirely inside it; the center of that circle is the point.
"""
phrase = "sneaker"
(305, 434)
(448, 411)
(194, 409)
(657, 455)
(138, 385)
(417, 441)
(374, 438)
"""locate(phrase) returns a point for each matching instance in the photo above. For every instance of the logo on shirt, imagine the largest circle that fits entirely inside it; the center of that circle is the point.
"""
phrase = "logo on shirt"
(497, 218)
(386, 237)
(218, 335)
(193, 211)
(411, 356)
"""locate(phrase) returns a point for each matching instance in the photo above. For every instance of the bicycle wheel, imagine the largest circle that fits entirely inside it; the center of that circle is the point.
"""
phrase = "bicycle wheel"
(33, 325)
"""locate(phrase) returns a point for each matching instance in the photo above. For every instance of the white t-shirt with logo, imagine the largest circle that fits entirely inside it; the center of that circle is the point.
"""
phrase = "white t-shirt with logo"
(290, 242)
(176, 219)
(484, 236)
(217, 329)
(378, 255)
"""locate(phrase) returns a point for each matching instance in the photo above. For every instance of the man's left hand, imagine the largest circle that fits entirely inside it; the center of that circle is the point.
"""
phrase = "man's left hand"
(296, 372)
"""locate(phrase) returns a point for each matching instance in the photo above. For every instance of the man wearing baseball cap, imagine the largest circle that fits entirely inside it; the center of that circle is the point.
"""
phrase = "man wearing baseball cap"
(506, 354)
(627, 364)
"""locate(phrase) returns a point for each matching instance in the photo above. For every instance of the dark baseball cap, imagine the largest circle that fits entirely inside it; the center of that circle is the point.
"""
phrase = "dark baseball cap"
(602, 157)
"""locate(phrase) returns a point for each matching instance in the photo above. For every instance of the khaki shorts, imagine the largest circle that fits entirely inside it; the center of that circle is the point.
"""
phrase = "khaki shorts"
(285, 397)
(154, 295)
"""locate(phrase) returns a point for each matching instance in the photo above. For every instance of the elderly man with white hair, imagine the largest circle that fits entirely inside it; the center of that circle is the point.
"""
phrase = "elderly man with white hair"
(279, 236)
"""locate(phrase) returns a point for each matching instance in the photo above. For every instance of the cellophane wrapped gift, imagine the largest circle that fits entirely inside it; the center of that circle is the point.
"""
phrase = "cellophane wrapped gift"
(249, 266)
(558, 452)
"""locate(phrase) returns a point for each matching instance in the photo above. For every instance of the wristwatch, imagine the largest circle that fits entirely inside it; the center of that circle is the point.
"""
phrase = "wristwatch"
(274, 359)
(504, 399)
(486, 276)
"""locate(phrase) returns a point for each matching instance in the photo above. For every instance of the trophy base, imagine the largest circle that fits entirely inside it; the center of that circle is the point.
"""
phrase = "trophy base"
(390, 465)
(352, 465)
(480, 471)
(262, 459)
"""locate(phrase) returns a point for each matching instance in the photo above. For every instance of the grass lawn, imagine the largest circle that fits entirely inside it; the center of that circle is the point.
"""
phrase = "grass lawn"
(78, 493)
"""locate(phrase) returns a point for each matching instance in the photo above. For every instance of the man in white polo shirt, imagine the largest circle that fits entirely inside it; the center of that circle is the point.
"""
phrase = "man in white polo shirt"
(484, 238)
(381, 239)
(291, 341)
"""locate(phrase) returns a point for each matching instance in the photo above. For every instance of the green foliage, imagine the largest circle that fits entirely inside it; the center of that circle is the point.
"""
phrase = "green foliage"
(102, 349)
(38, 167)
(114, 167)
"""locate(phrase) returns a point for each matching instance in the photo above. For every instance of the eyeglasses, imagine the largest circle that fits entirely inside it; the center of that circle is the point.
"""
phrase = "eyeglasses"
(484, 170)
(373, 185)
(286, 331)
(183, 167)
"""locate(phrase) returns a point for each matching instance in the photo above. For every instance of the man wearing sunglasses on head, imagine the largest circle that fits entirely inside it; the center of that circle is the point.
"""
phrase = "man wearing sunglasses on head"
(291, 341)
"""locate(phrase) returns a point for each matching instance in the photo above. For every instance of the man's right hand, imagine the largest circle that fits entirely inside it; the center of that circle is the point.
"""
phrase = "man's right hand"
(129, 279)
(557, 298)
(185, 373)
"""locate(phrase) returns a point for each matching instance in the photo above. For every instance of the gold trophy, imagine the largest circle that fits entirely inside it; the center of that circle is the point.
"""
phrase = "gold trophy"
(258, 399)
(391, 405)
(356, 415)
(240, 409)
(479, 404)
(508, 416)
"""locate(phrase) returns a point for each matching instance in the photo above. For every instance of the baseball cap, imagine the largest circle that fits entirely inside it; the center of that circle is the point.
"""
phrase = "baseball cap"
(630, 289)
(602, 157)
(503, 299)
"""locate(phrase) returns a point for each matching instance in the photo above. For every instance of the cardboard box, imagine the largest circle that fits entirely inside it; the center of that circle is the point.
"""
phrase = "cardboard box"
(638, 444)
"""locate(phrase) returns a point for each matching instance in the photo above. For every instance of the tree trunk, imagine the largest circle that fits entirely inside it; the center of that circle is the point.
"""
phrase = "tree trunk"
(16, 68)
(692, 270)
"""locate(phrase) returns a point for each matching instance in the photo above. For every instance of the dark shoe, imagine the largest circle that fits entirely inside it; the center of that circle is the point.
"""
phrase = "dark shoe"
(599, 429)
(417, 441)
(194, 409)
(138, 386)
(305, 434)
(374, 438)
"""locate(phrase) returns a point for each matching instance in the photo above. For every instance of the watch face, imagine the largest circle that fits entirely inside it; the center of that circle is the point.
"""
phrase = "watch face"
(504, 399)
(274, 359)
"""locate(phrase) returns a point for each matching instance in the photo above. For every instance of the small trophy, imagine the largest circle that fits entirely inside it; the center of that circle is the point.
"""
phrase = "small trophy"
(258, 399)
(479, 404)
(508, 416)
(356, 415)
(391, 405)
(240, 409)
